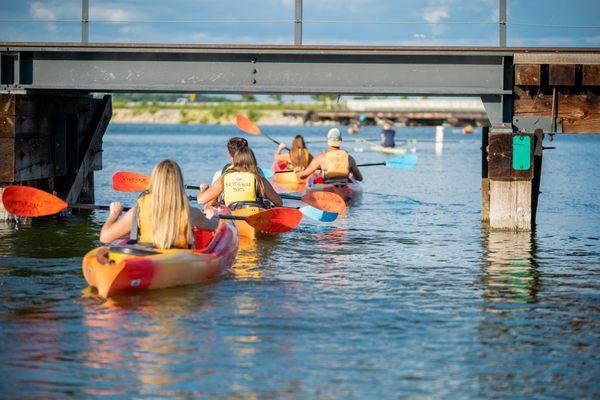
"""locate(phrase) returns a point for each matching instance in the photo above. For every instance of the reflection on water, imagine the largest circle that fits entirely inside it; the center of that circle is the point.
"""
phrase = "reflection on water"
(510, 271)
(403, 297)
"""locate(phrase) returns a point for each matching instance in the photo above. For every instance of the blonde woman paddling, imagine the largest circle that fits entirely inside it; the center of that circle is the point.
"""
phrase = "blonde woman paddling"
(241, 185)
(162, 216)
(298, 158)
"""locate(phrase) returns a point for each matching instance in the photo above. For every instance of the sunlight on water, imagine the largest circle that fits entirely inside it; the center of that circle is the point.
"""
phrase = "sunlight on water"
(405, 296)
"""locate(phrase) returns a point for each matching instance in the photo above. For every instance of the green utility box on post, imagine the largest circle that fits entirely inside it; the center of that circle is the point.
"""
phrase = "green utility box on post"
(521, 152)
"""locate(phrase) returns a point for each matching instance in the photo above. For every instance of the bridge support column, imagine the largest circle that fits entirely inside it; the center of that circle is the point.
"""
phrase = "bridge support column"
(509, 185)
(53, 142)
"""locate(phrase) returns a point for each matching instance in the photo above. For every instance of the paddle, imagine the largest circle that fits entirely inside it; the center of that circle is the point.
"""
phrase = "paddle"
(124, 181)
(325, 201)
(250, 127)
(24, 201)
(402, 162)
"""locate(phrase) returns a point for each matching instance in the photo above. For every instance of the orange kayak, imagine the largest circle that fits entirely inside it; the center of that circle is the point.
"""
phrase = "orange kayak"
(245, 230)
(115, 270)
(288, 181)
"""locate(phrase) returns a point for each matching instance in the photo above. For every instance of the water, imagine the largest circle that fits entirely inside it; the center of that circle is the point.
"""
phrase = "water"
(408, 296)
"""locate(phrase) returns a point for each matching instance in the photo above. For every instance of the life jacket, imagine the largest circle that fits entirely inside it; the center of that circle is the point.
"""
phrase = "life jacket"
(240, 187)
(142, 231)
(337, 165)
(305, 157)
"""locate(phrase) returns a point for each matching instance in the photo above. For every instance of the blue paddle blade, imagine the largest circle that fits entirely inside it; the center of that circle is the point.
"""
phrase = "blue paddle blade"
(318, 215)
(268, 173)
(406, 161)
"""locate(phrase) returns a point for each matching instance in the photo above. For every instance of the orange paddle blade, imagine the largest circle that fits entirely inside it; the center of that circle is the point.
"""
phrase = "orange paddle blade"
(246, 125)
(275, 220)
(124, 181)
(325, 201)
(24, 201)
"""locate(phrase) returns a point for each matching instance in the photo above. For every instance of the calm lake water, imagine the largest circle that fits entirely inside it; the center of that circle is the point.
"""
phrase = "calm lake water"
(407, 297)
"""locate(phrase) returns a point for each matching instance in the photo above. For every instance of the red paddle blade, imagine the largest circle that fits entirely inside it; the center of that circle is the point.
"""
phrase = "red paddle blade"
(24, 201)
(325, 201)
(130, 182)
(246, 125)
(275, 220)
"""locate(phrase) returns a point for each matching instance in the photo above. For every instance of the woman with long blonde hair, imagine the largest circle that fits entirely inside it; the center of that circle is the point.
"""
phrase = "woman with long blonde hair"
(242, 184)
(298, 158)
(162, 216)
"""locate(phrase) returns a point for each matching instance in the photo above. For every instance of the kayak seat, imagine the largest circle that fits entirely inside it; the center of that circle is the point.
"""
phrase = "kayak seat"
(134, 251)
(238, 205)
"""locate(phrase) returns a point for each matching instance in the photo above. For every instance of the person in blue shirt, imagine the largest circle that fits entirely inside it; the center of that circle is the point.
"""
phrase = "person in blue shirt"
(387, 135)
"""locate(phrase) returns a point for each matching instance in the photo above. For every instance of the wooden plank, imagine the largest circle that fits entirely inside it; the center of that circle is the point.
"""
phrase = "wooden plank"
(7, 126)
(34, 158)
(485, 200)
(88, 159)
(7, 160)
(510, 205)
(580, 113)
(528, 74)
(7, 104)
(562, 75)
(556, 58)
(591, 75)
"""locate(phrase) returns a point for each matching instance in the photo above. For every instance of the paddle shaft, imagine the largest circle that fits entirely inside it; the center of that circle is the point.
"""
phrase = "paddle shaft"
(358, 165)
(107, 208)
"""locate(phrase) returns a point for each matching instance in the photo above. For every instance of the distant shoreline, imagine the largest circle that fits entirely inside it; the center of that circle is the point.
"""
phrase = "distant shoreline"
(219, 113)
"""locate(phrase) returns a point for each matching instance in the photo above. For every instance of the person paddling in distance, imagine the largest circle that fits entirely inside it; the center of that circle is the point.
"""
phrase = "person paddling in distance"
(335, 164)
(162, 216)
(298, 157)
(387, 135)
(241, 185)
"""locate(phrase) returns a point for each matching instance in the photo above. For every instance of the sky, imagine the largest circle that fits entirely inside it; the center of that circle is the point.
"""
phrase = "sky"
(341, 22)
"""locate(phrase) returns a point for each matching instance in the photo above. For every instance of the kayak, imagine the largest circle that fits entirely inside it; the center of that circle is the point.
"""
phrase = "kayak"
(288, 181)
(389, 150)
(245, 230)
(115, 270)
(351, 191)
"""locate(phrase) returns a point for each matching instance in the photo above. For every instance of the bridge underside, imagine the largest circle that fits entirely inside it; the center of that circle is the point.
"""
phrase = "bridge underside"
(522, 89)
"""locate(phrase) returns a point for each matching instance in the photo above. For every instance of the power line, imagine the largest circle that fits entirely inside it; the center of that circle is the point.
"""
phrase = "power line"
(291, 21)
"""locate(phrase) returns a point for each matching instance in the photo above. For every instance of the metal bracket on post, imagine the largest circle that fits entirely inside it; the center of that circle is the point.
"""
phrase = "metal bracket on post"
(529, 124)
(298, 23)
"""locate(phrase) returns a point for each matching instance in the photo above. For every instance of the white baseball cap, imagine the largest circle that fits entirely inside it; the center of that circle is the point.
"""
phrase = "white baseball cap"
(334, 137)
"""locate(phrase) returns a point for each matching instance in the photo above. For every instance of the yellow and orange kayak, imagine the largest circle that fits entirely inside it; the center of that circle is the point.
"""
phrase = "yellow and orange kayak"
(288, 181)
(244, 229)
(122, 269)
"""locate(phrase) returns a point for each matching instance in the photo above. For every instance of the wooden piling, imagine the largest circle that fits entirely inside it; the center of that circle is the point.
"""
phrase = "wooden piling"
(52, 141)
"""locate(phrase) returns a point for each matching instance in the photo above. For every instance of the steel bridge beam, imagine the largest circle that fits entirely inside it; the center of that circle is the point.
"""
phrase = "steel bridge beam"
(345, 70)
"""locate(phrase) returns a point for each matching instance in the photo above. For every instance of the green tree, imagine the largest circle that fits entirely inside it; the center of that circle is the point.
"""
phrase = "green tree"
(248, 98)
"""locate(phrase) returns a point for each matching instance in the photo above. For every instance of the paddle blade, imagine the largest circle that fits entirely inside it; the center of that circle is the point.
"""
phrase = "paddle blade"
(275, 220)
(246, 125)
(326, 201)
(403, 162)
(130, 182)
(318, 215)
(267, 172)
(24, 201)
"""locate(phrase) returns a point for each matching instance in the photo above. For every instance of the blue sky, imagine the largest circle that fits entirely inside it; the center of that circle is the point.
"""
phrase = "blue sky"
(374, 22)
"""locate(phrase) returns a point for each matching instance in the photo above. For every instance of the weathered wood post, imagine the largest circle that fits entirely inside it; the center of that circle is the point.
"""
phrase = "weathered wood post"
(52, 142)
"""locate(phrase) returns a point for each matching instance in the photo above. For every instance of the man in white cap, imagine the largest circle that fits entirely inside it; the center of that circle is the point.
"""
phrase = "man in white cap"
(335, 163)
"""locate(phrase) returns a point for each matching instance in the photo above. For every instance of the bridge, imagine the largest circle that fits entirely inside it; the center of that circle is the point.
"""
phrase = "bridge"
(51, 128)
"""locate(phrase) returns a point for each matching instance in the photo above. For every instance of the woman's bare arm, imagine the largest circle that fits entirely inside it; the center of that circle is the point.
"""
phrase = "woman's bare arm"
(271, 194)
(115, 227)
(213, 192)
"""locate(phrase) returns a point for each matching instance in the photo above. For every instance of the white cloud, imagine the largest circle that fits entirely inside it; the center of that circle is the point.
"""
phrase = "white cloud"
(110, 14)
(42, 11)
(435, 15)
